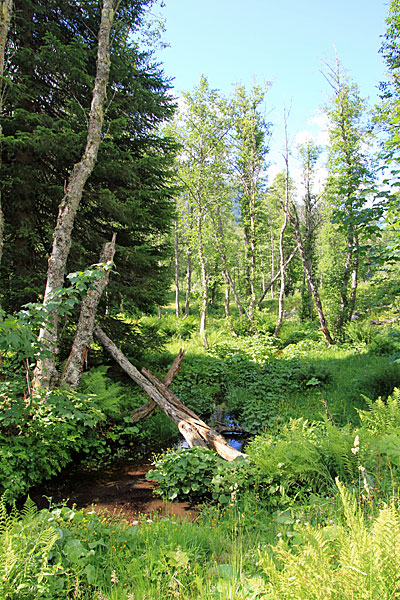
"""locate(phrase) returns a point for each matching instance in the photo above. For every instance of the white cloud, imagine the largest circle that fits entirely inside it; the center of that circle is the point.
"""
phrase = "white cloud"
(317, 131)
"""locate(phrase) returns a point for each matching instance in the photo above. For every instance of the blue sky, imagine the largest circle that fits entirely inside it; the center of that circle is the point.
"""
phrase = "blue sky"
(285, 42)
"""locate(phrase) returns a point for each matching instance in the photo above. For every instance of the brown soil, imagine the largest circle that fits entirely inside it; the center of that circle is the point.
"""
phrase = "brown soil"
(121, 490)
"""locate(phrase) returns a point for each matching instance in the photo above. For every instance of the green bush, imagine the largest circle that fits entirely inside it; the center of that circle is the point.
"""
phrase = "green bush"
(40, 436)
(185, 474)
(232, 479)
(381, 380)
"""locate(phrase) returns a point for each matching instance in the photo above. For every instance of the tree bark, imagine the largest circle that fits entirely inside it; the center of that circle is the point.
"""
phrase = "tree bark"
(176, 257)
(6, 8)
(271, 234)
(84, 332)
(227, 301)
(195, 431)
(45, 372)
(188, 282)
(307, 266)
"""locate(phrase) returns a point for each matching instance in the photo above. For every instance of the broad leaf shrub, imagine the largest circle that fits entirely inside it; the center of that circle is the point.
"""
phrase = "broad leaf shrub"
(199, 474)
(184, 474)
(349, 559)
(41, 435)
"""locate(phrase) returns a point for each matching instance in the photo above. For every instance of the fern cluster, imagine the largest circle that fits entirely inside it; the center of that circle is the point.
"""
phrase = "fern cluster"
(110, 396)
(25, 545)
(382, 416)
(304, 457)
(339, 562)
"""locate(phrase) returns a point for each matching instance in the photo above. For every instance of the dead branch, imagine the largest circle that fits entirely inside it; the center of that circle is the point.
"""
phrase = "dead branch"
(146, 409)
(195, 431)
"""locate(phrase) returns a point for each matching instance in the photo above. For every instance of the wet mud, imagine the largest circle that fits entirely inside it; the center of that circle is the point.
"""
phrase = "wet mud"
(121, 490)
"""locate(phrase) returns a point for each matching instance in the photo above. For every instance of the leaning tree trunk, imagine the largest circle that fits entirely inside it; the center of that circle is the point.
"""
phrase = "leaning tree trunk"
(45, 372)
(84, 332)
(194, 430)
(147, 409)
(6, 7)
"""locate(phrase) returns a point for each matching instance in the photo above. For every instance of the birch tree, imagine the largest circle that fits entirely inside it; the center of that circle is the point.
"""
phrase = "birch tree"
(251, 136)
(309, 153)
(46, 373)
(202, 127)
(350, 181)
(285, 208)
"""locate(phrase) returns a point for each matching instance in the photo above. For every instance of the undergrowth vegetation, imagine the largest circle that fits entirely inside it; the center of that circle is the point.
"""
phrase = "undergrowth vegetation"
(321, 433)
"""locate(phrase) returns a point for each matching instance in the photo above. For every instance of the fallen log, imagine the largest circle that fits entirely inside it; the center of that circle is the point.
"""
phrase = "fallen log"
(226, 428)
(193, 438)
(384, 321)
(193, 429)
(146, 409)
(186, 415)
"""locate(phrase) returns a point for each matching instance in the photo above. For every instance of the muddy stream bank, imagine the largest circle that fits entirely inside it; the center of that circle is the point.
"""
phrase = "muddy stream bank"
(121, 489)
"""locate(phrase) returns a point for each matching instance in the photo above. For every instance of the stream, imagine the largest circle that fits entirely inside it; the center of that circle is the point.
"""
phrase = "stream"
(120, 488)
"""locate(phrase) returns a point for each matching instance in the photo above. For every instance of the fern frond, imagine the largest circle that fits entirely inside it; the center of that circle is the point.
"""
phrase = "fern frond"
(386, 534)
(29, 510)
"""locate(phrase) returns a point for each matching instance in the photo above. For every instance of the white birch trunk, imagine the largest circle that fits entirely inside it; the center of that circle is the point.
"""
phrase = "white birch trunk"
(177, 309)
(84, 332)
(45, 372)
